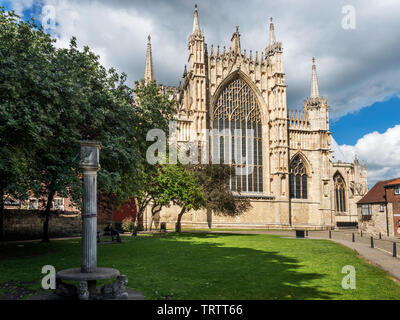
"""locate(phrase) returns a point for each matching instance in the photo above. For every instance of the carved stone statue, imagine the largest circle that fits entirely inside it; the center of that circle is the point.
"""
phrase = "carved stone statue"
(65, 289)
(83, 290)
(115, 290)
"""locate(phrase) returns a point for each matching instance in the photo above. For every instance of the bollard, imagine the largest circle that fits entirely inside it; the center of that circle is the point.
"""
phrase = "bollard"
(380, 236)
(394, 250)
(353, 238)
(361, 233)
(330, 234)
(372, 242)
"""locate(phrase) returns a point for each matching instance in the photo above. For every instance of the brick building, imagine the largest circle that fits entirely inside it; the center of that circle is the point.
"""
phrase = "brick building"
(379, 209)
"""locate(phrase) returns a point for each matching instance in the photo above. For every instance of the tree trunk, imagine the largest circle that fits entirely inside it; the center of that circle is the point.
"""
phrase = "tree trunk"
(45, 237)
(178, 227)
(154, 211)
(2, 217)
(139, 214)
(137, 222)
(134, 230)
(209, 218)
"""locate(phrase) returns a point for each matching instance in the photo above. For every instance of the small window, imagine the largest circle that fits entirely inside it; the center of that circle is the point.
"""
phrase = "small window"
(33, 204)
(366, 210)
(397, 189)
(382, 208)
(58, 204)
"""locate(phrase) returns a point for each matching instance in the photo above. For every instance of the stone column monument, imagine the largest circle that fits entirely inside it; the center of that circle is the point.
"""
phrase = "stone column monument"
(89, 273)
(90, 165)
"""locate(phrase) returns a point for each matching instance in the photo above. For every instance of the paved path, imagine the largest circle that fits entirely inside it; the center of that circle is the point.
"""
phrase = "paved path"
(381, 255)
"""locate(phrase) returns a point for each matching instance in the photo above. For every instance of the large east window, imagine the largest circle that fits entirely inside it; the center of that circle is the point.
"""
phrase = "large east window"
(238, 121)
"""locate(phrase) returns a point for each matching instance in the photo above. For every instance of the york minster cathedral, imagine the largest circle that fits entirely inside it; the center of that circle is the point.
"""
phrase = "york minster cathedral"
(297, 178)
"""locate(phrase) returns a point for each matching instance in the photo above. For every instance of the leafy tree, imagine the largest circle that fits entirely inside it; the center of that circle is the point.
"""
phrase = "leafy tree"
(13, 167)
(179, 186)
(24, 52)
(214, 179)
(152, 110)
(53, 98)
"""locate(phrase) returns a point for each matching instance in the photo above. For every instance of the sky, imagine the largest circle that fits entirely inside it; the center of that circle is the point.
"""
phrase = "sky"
(357, 53)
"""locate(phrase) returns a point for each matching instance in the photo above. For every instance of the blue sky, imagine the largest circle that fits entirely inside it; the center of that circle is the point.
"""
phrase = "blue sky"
(358, 70)
(378, 117)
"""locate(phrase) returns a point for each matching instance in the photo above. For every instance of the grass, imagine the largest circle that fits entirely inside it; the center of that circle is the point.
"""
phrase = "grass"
(212, 266)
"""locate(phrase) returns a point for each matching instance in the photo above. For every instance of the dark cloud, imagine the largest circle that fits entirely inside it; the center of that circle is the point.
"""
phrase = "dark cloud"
(355, 67)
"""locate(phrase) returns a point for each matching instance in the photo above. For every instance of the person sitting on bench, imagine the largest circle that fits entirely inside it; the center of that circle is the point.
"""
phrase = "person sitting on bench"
(112, 231)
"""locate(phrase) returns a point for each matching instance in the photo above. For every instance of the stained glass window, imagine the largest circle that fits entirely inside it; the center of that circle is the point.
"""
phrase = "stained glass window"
(238, 114)
(298, 179)
(340, 193)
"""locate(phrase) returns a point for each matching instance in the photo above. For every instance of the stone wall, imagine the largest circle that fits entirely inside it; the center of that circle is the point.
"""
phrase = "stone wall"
(376, 223)
(264, 214)
(28, 224)
(24, 224)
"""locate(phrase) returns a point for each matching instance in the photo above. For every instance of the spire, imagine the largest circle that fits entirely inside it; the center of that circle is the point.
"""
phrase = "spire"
(185, 72)
(314, 82)
(272, 39)
(235, 41)
(196, 25)
(148, 71)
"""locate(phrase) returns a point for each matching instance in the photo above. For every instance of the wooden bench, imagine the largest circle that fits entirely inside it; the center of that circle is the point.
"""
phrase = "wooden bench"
(101, 234)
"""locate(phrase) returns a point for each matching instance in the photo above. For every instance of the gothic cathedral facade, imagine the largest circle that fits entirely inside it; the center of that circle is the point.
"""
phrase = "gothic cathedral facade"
(294, 179)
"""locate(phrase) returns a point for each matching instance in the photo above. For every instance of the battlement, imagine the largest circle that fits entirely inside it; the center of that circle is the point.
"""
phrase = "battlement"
(298, 120)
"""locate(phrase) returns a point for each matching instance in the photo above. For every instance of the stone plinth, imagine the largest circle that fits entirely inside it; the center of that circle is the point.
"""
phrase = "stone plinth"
(77, 275)
(87, 284)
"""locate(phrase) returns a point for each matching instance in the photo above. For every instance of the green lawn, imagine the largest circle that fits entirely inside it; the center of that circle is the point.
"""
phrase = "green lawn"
(212, 266)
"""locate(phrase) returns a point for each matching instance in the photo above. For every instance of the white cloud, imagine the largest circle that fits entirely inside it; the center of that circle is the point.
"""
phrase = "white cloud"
(356, 68)
(111, 33)
(21, 5)
(379, 151)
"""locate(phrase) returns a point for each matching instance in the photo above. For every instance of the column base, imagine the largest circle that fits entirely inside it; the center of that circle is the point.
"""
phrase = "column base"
(87, 289)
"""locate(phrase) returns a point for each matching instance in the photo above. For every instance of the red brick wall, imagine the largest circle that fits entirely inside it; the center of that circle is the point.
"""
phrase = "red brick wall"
(68, 206)
(394, 199)
(126, 210)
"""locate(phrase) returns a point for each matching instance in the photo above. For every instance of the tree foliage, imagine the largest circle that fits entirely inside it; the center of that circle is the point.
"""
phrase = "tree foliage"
(214, 179)
(51, 99)
(180, 187)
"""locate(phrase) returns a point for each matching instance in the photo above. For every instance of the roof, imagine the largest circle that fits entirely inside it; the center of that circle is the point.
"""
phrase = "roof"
(393, 183)
(377, 193)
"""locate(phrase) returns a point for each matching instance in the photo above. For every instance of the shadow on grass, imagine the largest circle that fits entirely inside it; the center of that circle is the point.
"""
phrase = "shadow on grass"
(180, 266)
(194, 266)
